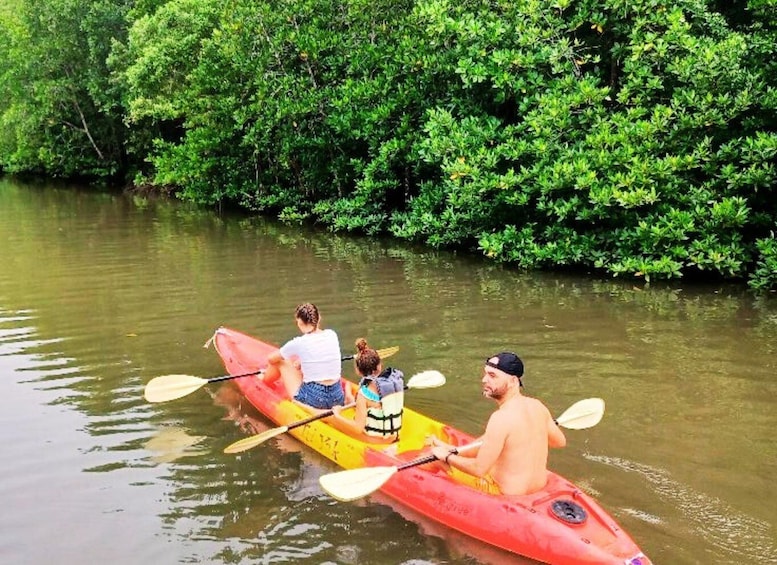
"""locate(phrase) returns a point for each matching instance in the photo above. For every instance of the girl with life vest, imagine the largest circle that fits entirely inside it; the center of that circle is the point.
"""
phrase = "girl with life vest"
(379, 399)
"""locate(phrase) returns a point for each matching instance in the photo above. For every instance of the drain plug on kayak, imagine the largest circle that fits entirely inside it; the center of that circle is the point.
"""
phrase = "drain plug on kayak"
(569, 511)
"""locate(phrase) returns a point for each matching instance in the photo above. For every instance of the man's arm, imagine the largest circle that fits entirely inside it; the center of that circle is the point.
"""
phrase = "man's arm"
(493, 443)
(556, 437)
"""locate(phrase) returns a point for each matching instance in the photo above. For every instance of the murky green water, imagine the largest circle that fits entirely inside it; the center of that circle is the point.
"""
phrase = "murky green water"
(99, 293)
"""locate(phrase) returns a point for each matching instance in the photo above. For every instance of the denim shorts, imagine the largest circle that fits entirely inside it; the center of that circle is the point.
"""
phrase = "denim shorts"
(321, 396)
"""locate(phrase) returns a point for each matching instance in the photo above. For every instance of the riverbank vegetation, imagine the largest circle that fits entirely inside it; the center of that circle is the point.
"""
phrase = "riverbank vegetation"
(635, 138)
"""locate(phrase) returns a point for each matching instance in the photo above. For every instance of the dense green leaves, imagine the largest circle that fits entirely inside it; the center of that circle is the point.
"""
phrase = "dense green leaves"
(633, 137)
(58, 114)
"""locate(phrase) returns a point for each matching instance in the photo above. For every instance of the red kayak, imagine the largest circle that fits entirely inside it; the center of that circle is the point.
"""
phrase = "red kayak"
(560, 524)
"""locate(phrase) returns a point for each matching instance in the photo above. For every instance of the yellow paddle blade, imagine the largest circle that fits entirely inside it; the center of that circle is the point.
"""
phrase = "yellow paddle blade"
(387, 352)
(355, 483)
(170, 387)
(582, 414)
(248, 442)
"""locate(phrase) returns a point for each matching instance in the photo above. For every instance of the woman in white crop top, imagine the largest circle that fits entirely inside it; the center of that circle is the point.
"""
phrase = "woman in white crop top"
(317, 384)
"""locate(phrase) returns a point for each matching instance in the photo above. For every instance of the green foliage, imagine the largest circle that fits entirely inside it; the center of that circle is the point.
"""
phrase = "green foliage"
(765, 274)
(641, 149)
(59, 114)
(636, 138)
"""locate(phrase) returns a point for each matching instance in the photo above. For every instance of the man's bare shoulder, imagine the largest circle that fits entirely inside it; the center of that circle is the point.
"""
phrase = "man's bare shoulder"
(500, 421)
(520, 408)
(509, 412)
(538, 404)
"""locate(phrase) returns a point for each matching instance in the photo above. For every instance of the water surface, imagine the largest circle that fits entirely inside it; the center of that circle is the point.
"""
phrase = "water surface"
(101, 292)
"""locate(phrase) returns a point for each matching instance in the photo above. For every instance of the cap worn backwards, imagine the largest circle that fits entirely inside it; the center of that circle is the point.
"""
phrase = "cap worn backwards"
(508, 362)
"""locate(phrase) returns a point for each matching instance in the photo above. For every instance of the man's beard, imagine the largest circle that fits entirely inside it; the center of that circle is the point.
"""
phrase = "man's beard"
(495, 394)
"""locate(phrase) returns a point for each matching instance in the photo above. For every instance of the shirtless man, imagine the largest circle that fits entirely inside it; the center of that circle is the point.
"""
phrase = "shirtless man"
(514, 450)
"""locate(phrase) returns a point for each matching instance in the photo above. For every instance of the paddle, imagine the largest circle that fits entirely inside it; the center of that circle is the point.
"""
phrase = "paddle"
(382, 353)
(170, 387)
(425, 379)
(357, 483)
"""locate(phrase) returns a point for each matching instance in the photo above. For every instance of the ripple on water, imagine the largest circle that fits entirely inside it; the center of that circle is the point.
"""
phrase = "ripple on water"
(733, 532)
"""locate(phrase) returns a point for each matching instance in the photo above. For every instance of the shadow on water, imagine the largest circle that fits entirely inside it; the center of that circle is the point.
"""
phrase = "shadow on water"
(100, 292)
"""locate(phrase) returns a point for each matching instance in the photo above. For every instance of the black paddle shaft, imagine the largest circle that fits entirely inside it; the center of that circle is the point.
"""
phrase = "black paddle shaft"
(422, 460)
(417, 462)
(228, 377)
(326, 414)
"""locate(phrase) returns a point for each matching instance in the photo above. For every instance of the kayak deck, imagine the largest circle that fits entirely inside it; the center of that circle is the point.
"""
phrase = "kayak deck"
(559, 524)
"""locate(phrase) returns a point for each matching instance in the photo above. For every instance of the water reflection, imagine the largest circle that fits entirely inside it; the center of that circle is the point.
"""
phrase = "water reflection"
(172, 443)
(101, 292)
(313, 527)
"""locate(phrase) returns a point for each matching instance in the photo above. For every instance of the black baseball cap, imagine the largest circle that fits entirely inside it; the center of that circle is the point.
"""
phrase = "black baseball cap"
(508, 362)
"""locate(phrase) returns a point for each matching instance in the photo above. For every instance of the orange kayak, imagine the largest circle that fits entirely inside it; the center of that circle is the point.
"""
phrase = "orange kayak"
(559, 525)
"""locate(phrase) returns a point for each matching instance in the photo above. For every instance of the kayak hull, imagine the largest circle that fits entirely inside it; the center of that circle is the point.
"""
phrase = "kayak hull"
(559, 524)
